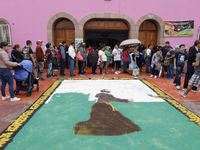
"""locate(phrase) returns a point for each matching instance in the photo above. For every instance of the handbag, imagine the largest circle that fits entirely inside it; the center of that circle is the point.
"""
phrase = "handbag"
(40, 67)
(136, 71)
(167, 62)
(79, 56)
(55, 61)
(158, 67)
(101, 65)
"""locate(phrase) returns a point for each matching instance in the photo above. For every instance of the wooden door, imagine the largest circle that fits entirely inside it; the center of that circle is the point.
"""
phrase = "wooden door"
(148, 33)
(64, 31)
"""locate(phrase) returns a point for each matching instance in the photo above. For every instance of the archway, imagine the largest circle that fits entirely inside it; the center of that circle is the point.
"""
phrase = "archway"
(64, 30)
(159, 24)
(108, 31)
(54, 19)
(148, 33)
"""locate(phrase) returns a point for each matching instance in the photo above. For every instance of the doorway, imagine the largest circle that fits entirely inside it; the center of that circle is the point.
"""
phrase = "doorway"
(64, 31)
(148, 33)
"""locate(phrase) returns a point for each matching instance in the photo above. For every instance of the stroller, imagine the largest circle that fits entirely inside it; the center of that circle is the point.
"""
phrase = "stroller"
(25, 78)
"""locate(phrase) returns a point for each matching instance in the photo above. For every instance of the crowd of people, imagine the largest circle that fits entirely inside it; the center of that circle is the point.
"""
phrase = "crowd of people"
(159, 61)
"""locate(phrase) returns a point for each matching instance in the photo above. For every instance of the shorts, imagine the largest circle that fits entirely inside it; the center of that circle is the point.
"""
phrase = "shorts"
(195, 80)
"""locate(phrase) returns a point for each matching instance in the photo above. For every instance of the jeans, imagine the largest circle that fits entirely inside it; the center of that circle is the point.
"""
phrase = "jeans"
(148, 65)
(170, 74)
(6, 77)
(66, 60)
(189, 73)
(80, 67)
(49, 69)
(94, 68)
(154, 71)
(71, 66)
(101, 70)
(143, 62)
(139, 62)
(125, 65)
(62, 66)
(177, 79)
(39, 74)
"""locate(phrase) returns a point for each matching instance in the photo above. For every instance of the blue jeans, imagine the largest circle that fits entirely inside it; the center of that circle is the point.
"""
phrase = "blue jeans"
(62, 66)
(148, 65)
(49, 69)
(143, 62)
(6, 77)
(189, 73)
(170, 74)
(177, 79)
(71, 66)
(125, 64)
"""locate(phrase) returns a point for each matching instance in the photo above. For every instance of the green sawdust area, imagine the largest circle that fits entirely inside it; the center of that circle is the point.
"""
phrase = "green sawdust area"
(51, 128)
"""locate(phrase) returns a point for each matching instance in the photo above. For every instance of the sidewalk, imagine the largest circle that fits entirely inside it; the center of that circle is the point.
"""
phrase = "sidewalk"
(10, 111)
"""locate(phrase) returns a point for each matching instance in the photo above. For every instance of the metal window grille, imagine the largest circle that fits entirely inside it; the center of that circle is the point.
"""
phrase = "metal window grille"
(5, 35)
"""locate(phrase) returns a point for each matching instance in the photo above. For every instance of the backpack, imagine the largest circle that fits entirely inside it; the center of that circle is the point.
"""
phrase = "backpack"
(128, 59)
(58, 53)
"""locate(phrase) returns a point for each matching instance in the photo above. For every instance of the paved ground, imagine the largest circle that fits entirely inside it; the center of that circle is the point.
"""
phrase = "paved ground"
(10, 111)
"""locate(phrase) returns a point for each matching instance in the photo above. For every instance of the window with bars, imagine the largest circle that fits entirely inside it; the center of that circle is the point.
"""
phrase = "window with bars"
(5, 35)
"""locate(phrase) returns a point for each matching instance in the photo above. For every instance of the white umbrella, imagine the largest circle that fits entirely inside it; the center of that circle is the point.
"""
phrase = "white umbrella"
(130, 42)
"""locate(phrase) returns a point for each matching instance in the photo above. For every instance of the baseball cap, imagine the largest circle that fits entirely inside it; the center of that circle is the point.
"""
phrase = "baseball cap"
(39, 41)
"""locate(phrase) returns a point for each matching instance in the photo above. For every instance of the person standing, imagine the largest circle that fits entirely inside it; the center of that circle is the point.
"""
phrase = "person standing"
(133, 64)
(117, 58)
(102, 59)
(28, 54)
(49, 60)
(5, 73)
(179, 64)
(67, 56)
(195, 80)
(63, 57)
(84, 54)
(125, 55)
(15, 54)
(193, 51)
(72, 55)
(89, 50)
(40, 59)
(81, 62)
(170, 56)
(108, 55)
(93, 60)
(55, 60)
(164, 53)
(148, 58)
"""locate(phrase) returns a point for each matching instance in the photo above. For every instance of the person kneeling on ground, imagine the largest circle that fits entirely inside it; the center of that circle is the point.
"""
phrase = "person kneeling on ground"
(195, 81)
(156, 64)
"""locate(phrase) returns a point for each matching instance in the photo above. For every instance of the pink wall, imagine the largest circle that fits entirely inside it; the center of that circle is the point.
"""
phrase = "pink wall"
(29, 18)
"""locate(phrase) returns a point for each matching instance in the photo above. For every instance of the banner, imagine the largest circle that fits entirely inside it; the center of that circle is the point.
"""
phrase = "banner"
(78, 41)
(178, 28)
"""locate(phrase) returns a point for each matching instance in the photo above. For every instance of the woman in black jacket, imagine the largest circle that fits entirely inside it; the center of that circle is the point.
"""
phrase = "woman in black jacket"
(15, 54)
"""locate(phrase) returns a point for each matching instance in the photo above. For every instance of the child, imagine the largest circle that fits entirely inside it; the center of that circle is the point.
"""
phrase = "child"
(195, 80)
(156, 59)
(179, 63)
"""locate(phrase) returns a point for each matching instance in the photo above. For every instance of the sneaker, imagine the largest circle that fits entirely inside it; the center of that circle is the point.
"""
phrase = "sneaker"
(182, 93)
(42, 79)
(82, 74)
(178, 87)
(174, 84)
(5, 97)
(151, 76)
(49, 76)
(56, 69)
(184, 89)
(155, 77)
(107, 72)
(198, 91)
(15, 99)
(165, 72)
(116, 72)
(102, 74)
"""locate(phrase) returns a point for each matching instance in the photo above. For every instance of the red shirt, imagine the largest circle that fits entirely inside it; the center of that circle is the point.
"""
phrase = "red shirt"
(89, 50)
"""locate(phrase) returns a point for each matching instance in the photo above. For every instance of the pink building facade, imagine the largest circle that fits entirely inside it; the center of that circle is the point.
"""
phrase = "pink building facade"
(36, 19)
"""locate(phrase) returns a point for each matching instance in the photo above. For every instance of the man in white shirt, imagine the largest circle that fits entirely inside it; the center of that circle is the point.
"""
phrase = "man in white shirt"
(148, 58)
(72, 55)
(117, 58)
